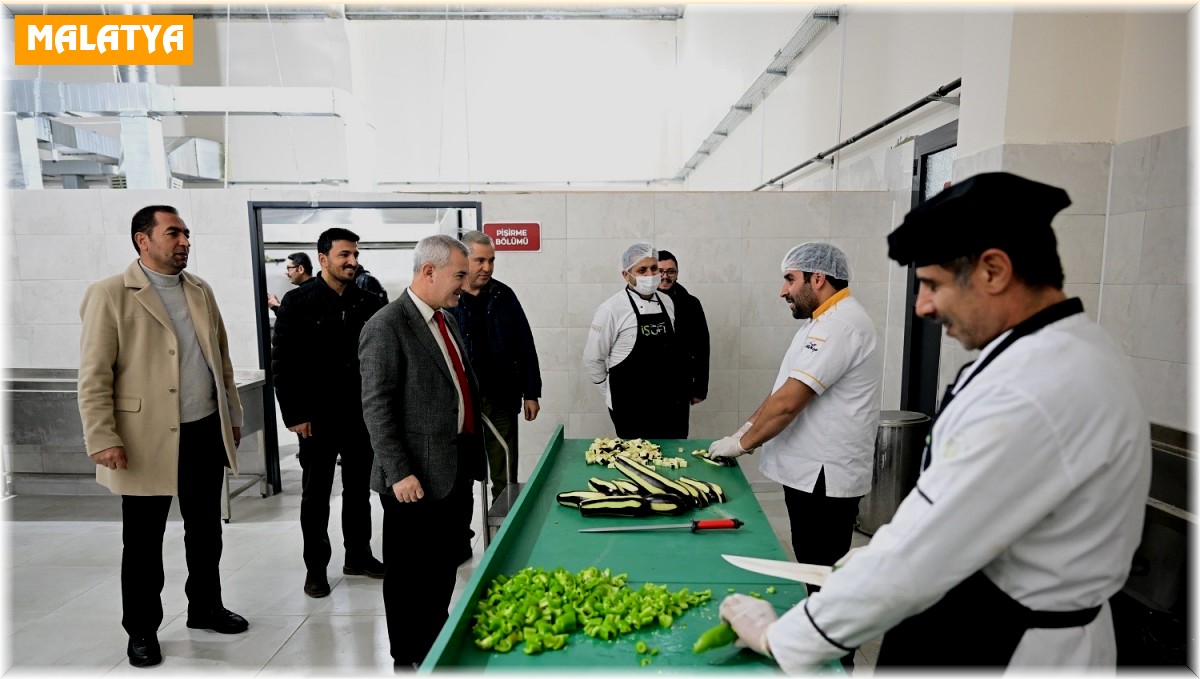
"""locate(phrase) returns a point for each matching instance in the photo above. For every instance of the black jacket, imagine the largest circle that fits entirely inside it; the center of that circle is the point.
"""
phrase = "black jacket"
(514, 374)
(315, 347)
(692, 327)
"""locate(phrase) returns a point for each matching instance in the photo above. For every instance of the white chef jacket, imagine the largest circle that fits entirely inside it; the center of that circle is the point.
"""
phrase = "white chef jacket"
(614, 332)
(1039, 475)
(835, 354)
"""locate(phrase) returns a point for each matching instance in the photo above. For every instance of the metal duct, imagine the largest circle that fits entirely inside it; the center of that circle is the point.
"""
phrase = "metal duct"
(144, 160)
(72, 140)
(194, 159)
(136, 74)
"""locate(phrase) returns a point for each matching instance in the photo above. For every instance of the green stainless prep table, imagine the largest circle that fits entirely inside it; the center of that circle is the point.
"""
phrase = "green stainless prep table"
(540, 532)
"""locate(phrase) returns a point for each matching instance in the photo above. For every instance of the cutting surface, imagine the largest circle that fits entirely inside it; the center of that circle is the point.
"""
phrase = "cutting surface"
(540, 532)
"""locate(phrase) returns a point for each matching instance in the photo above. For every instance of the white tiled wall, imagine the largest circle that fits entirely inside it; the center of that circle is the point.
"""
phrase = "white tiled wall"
(1123, 244)
(729, 246)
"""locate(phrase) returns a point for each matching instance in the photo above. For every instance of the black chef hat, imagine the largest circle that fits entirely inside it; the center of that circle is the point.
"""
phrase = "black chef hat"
(991, 210)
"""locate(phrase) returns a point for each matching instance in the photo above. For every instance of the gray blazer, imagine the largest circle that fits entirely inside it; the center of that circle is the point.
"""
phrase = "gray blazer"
(410, 405)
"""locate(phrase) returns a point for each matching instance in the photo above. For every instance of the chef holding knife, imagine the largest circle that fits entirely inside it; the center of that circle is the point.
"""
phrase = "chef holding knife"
(1030, 506)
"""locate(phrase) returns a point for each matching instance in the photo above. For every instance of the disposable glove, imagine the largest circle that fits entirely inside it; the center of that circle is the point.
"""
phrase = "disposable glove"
(726, 447)
(749, 618)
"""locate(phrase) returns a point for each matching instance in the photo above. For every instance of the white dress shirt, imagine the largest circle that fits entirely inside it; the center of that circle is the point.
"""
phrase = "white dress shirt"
(427, 313)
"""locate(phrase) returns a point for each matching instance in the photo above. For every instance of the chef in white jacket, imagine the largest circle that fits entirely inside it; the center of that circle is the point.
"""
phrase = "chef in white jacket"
(1027, 513)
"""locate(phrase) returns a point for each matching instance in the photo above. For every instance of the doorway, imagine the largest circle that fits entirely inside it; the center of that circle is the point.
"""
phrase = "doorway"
(933, 161)
(389, 232)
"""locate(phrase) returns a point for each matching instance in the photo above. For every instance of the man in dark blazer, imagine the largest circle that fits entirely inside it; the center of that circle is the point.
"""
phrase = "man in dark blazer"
(421, 407)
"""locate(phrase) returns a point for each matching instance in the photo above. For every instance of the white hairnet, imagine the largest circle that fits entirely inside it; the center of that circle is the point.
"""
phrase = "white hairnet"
(636, 253)
(814, 257)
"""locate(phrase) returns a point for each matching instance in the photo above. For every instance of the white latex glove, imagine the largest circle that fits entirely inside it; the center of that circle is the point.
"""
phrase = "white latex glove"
(726, 447)
(749, 618)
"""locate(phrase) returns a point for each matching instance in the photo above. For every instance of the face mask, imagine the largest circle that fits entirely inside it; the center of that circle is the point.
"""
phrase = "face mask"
(646, 285)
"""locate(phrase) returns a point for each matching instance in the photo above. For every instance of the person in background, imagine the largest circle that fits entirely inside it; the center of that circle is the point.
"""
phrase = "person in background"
(298, 269)
(420, 400)
(314, 361)
(1025, 518)
(691, 323)
(364, 280)
(500, 346)
(161, 418)
(635, 355)
(817, 428)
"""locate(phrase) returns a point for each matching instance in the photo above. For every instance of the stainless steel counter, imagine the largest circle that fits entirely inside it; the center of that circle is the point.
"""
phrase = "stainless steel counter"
(43, 449)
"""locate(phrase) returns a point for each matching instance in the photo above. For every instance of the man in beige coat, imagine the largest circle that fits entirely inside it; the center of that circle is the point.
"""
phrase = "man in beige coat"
(161, 418)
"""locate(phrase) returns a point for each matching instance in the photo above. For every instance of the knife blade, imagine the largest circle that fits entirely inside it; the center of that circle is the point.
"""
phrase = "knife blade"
(694, 526)
(811, 574)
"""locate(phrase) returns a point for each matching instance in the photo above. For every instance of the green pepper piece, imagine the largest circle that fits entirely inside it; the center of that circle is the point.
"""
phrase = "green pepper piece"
(644, 661)
(771, 590)
(756, 595)
(654, 651)
(665, 620)
(504, 645)
(640, 647)
(721, 635)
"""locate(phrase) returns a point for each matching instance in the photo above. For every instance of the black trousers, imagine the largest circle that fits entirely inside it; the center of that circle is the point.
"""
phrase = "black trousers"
(144, 520)
(420, 542)
(318, 459)
(822, 526)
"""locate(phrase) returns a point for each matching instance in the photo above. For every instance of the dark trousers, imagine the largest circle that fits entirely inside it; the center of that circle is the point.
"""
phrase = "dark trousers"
(822, 529)
(420, 542)
(144, 520)
(318, 459)
(822, 526)
(501, 468)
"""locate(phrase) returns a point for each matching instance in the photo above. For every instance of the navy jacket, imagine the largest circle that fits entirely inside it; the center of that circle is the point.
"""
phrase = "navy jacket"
(514, 374)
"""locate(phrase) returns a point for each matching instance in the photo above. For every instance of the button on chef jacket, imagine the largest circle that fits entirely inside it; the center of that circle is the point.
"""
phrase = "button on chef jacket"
(835, 354)
(1039, 476)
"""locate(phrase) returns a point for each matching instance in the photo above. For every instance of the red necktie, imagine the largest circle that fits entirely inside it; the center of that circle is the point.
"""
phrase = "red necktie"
(468, 410)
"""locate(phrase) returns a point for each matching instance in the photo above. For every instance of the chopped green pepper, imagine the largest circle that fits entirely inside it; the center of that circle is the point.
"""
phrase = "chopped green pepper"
(715, 637)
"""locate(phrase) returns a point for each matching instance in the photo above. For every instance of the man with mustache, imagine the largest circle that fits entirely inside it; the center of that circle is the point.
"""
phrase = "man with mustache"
(817, 428)
(1034, 480)
(161, 417)
(314, 360)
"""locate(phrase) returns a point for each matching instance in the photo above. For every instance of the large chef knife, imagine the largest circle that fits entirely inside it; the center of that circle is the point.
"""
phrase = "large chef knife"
(811, 574)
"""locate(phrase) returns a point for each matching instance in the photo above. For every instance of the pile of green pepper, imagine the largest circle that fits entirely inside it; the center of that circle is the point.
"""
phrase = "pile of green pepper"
(542, 608)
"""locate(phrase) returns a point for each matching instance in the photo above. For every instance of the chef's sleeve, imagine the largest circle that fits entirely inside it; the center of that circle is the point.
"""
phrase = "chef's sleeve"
(830, 349)
(996, 472)
(602, 335)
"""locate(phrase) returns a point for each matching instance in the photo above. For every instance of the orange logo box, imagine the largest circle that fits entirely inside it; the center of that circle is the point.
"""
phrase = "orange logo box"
(90, 40)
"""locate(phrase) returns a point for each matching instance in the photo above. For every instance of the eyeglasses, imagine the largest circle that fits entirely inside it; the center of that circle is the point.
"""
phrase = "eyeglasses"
(669, 272)
(289, 268)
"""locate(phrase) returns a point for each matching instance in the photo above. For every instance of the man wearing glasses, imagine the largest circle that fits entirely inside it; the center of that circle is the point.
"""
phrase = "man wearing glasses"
(691, 323)
(298, 270)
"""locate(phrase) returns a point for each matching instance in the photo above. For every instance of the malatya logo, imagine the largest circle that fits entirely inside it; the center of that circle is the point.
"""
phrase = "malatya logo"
(90, 40)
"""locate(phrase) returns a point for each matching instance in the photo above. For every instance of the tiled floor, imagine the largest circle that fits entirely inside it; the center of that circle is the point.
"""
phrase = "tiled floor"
(64, 601)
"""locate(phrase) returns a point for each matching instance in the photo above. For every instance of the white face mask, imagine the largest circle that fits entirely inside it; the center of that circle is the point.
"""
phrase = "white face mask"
(646, 285)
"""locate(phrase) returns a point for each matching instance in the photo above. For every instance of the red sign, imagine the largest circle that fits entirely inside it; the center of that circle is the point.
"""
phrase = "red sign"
(513, 236)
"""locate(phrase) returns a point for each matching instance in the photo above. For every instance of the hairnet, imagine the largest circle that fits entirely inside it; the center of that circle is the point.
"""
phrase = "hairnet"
(636, 253)
(814, 257)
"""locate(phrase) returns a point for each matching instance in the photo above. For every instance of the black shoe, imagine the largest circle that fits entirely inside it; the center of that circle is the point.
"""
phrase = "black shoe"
(144, 651)
(221, 620)
(370, 567)
(316, 586)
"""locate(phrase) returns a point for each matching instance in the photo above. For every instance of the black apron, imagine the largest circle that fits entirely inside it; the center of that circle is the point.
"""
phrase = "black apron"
(641, 407)
(976, 624)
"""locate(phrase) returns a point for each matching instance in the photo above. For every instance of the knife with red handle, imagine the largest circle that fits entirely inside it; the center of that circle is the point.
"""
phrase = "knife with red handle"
(694, 526)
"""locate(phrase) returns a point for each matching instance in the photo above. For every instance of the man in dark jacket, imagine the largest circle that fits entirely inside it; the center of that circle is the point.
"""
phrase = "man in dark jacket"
(364, 280)
(315, 367)
(690, 323)
(500, 346)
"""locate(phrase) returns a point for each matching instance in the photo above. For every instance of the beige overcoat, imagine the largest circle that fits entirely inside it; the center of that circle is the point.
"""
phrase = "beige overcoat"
(129, 378)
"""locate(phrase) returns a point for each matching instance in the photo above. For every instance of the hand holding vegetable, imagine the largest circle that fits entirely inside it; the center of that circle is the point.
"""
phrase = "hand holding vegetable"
(749, 618)
(730, 446)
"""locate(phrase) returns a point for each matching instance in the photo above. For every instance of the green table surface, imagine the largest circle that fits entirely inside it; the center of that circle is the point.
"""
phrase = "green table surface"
(540, 532)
